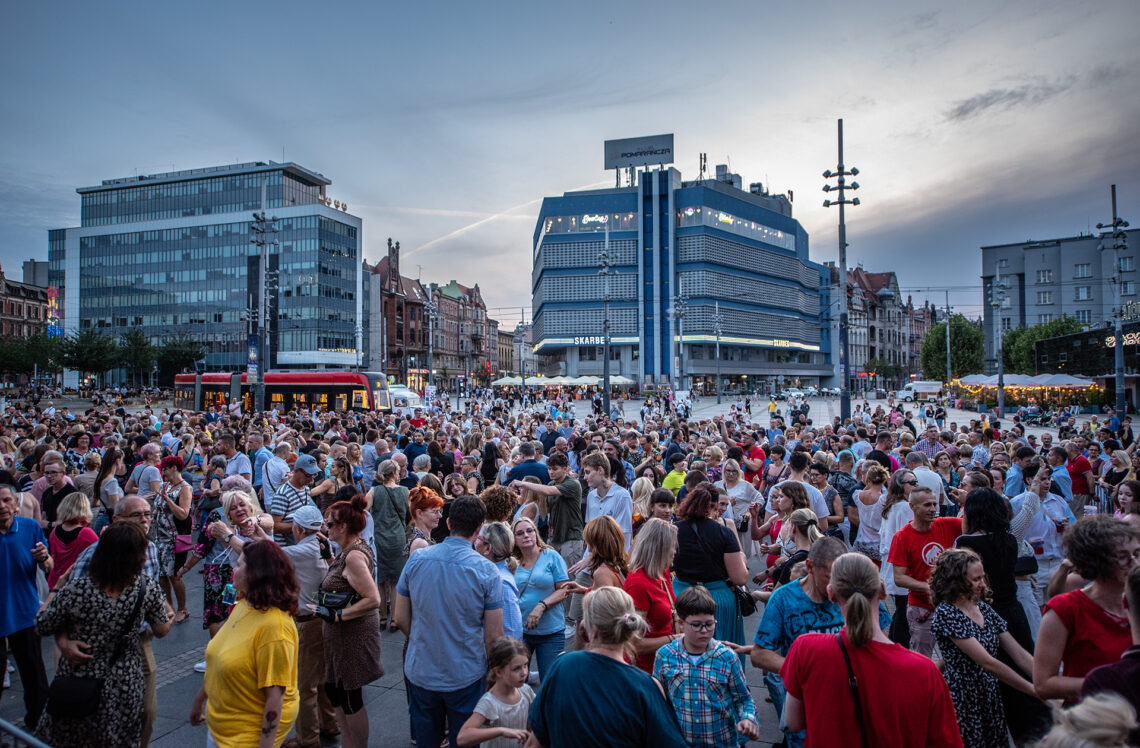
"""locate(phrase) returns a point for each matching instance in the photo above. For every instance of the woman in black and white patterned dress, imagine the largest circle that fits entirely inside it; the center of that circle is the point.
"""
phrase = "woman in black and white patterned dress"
(96, 608)
(969, 634)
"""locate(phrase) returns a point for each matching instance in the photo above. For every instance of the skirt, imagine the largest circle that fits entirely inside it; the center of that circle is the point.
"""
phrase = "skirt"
(729, 624)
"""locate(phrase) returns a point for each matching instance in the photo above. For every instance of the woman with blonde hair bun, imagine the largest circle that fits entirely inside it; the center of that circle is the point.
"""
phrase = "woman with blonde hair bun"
(1102, 720)
(893, 696)
(567, 703)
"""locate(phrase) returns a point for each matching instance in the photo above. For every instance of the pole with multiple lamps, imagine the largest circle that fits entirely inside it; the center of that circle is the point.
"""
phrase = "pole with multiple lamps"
(999, 301)
(841, 173)
(718, 321)
(1119, 243)
(604, 261)
(262, 232)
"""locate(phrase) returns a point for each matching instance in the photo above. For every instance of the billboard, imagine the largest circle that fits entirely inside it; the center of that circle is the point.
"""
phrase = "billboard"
(645, 151)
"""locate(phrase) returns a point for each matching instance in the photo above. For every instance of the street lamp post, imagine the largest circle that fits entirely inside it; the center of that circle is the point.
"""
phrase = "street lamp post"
(1119, 242)
(718, 321)
(604, 261)
(677, 312)
(262, 231)
(841, 173)
(1000, 301)
(430, 307)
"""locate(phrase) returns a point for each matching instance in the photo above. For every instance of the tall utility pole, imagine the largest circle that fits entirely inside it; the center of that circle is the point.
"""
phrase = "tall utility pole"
(718, 321)
(431, 309)
(841, 172)
(1000, 299)
(677, 311)
(604, 261)
(1119, 242)
(948, 337)
(262, 231)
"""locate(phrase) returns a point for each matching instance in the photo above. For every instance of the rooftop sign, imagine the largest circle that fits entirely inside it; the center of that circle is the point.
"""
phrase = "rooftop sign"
(644, 151)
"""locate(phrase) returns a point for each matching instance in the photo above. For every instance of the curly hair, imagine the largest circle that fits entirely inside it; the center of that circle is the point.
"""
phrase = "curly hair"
(269, 578)
(500, 502)
(949, 580)
(1089, 543)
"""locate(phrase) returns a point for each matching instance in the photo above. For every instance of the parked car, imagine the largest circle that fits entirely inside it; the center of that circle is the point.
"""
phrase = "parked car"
(811, 391)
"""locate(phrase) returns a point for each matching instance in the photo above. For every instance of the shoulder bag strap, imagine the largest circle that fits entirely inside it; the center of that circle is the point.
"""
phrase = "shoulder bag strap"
(130, 621)
(853, 683)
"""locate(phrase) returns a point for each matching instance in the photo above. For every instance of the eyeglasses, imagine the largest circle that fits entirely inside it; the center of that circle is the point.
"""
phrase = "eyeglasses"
(701, 625)
(1127, 559)
(909, 482)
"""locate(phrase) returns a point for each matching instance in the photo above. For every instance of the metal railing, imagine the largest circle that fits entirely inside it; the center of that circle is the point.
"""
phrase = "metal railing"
(13, 737)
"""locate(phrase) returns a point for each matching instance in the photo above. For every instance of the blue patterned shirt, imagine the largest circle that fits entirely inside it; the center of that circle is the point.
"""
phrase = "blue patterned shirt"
(708, 692)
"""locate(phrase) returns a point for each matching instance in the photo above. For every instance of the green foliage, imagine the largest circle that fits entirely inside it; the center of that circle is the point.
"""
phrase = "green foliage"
(966, 349)
(1018, 345)
(90, 352)
(178, 353)
(26, 356)
(136, 353)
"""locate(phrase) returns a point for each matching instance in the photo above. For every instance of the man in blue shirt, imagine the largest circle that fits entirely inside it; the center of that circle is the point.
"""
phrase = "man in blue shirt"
(259, 454)
(1058, 460)
(529, 466)
(1014, 478)
(22, 548)
(449, 603)
(799, 607)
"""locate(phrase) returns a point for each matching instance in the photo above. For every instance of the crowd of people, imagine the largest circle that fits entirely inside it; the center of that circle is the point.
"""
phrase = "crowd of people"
(565, 580)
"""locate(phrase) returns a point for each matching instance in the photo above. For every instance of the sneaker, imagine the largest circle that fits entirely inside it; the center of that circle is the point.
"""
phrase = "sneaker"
(200, 667)
(7, 681)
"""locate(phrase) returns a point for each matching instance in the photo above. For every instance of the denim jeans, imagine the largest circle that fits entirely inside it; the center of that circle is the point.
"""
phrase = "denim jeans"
(429, 709)
(776, 690)
(545, 648)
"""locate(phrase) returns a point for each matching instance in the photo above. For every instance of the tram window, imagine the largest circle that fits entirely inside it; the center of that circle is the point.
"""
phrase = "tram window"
(301, 399)
(246, 402)
(277, 400)
(360, 399)
(213, 398)
(321, 399)
(341, 401)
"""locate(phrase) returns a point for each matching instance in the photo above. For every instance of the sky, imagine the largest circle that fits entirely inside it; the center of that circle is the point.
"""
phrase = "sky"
(443, 125)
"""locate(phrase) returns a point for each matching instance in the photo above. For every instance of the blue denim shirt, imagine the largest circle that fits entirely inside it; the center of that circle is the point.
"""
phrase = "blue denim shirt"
(450, 587)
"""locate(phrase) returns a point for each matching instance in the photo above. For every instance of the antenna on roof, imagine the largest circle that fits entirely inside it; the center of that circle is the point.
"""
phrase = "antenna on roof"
(419, 271)
(704, 166)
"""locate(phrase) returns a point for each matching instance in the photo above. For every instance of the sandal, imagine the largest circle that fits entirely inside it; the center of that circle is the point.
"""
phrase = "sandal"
(181, 616)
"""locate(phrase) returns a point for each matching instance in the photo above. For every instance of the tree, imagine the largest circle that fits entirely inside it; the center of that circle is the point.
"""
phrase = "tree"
(1019, 345)
(90, 352)
(137, 353)
(966, 345)
(39, 352)
(178, 353)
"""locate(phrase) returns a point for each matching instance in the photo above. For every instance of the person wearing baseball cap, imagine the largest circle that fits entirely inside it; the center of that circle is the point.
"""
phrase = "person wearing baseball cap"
(290, 497)
(310, 555)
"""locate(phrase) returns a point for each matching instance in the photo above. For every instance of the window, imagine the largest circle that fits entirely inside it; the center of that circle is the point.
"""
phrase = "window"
(1082, 270)
(1084, 293)
(1127, 288)
(1044, 297)
(1127, 264)
(1003, 262)
(1043, 318)
(1006, 323)
(1044, 276)
(1084, 316)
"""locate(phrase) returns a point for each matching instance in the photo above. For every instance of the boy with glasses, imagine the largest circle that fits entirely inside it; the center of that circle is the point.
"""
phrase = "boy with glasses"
(694, 667)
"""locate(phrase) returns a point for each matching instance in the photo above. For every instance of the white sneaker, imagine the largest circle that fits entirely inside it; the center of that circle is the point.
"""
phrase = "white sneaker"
(200, 667)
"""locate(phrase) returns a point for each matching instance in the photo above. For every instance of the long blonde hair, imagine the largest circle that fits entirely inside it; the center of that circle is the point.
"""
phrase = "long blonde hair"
(654, 549)
(641, 490)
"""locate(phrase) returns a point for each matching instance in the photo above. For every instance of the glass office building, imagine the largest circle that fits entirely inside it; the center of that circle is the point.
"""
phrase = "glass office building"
(172, 253)
(707, 242)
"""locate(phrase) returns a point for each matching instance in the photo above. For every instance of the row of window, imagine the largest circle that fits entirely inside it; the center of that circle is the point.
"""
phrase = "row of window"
(1080, 269)
(1084, 293)
(718, 219)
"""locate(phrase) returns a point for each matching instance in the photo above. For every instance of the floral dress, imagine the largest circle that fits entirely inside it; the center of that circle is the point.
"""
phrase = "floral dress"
(977, 700)
(85, 613)
(163, 531)
(218, 561)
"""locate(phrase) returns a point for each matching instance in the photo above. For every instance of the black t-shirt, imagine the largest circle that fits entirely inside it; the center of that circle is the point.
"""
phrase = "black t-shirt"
(701, 559)
(880, 457)
(49, 501)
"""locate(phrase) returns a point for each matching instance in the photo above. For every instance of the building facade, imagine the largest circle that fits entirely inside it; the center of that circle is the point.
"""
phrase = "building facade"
(461, 354)
(1084, 277)
(506, 345)
(397, 322)
(172, 253)
(24, 308)
(680, 252)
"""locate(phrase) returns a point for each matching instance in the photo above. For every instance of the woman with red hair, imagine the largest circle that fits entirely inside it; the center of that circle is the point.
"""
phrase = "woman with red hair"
(250, 687)
(348, 601)
(426, 508)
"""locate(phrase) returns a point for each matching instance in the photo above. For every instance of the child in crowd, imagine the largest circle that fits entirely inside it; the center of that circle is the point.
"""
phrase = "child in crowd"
(500, 717)
(696, 667)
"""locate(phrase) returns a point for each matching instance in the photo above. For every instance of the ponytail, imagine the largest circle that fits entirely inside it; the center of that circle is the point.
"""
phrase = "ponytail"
(856, 584)
(857, 613)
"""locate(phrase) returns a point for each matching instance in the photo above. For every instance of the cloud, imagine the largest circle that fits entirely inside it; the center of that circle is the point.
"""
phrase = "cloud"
(1030, 94)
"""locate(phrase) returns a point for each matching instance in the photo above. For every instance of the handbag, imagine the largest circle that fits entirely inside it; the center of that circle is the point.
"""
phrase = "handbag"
(854, 685)
(75, 697)
(183, 543)
(336, 600)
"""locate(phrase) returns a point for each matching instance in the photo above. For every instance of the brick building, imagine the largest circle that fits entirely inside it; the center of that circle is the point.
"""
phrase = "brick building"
(398, 335)
(23, 308)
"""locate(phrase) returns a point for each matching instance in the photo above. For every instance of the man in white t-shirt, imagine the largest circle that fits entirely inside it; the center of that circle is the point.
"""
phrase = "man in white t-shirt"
(798, 464)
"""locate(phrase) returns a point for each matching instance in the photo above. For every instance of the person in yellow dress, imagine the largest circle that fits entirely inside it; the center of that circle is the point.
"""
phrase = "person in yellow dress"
(248, 698)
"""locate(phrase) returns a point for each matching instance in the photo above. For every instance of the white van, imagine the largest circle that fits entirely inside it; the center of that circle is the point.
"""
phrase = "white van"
(919, 391)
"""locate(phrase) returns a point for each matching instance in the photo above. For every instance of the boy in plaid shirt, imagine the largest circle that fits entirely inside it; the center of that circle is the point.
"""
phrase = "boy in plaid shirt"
(703, 678)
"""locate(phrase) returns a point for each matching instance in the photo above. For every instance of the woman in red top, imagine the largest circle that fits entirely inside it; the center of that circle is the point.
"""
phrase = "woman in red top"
(650, 587)
(71, 536)
(1087, 627)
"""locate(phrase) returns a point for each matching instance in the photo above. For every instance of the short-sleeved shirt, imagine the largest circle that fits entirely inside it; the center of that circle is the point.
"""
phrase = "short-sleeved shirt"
(567, 711)
(1095, 637)
(536, 583)
(18, 598)
(916, 552)
(285, 504)
(450, 587)
(815, 499)
(700, 559)
(254, 649)
(239, 465)
(617, 504)
(910, 706)
(528, 468)
(1077, 469)
(790, 613)
(500, 714)
(566, 512)
(654, 597)
(144, 475)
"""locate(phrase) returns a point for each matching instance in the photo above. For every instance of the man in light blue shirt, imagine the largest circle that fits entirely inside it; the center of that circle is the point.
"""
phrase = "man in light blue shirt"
(1059, 472)
(1014, 478)
(449, 602)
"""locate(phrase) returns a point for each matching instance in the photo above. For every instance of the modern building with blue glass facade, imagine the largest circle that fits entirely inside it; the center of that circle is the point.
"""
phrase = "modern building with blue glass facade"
(708, 241)
(172, 253)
